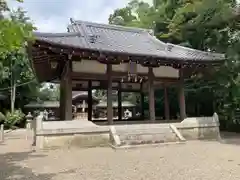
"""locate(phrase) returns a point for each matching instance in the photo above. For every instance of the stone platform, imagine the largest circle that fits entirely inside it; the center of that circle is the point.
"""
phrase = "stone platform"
(58, 134)
(87, 134)
(71, 124)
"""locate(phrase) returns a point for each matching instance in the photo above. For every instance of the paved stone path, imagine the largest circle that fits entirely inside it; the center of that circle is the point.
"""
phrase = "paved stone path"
(191, 161)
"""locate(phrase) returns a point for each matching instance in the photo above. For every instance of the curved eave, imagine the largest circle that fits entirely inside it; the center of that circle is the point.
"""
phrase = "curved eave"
(69, 49)
(41, 65)
(53, 51)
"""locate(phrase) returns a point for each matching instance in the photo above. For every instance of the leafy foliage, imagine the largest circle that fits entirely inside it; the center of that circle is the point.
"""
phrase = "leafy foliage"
(15, 29)
(16, 78)
(201, 24)
(49, 93)
(13, 118)
(2, 118)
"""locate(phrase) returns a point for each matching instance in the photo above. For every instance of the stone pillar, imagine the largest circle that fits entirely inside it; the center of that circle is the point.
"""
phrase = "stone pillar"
(90, 100)
(109, 95)
(29, 119)
(142, 102)
(83, 106)
(166, 104)
(39, 121)
(1, 133)
(151, 94)
(182, 104)
(119, 101)
(34, 128)
(38, 140)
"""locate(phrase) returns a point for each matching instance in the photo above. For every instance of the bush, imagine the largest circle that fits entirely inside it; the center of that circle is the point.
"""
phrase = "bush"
(14, 118)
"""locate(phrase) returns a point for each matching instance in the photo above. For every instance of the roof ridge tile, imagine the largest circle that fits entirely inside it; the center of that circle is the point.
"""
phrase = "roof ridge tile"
(110, 26)
(63, 34)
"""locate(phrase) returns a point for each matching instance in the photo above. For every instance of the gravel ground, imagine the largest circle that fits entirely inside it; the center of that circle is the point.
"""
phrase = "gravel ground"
(205, 160)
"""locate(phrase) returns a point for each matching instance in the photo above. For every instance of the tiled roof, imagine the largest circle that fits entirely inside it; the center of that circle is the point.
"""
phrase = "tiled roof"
(120, 39)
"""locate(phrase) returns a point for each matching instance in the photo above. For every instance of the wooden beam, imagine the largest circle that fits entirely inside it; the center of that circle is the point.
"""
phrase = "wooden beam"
(113, 88)
(166, 104)
(142, 102)
(90, 102)
(109, 95)
(119, 101)
(116, 76)
(66, 93)
(151, 94)
(182, 103)
(62, 99)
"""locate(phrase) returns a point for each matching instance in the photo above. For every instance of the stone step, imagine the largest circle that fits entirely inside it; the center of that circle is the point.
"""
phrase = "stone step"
(141, 134)
(127, 139)
(145, 134)
(144, 131)
(142, 126)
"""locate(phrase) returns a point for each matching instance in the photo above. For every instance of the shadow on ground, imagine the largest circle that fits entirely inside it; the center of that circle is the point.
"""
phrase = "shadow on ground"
(9, 169)
(15, 153)
(230, 138)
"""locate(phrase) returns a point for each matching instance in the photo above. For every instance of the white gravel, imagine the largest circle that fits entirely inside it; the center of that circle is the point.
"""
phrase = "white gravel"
(205, 160)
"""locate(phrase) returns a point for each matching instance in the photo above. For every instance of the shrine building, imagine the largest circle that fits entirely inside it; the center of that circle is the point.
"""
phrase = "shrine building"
(100, 56)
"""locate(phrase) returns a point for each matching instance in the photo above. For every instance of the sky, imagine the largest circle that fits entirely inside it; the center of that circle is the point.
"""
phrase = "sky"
(54, 15)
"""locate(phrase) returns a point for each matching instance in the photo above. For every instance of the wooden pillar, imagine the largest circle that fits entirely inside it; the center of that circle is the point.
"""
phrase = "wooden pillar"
(166, 104)
(151, 94)
(68, 91)
(182, 104)
(119, 101)
(109, 95)
(90, 100)
(142, 102)
(62, 99)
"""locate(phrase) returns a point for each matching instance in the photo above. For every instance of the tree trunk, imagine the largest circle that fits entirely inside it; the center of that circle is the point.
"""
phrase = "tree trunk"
(13, 88)
(13, 95)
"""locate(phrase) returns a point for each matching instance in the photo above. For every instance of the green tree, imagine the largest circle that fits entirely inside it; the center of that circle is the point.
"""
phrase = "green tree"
(16, 77)
(49, 93)
(200, 24)
(14, 29)
(15, 64)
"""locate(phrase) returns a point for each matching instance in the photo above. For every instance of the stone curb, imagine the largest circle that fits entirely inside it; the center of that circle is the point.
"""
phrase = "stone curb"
(144, 145)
